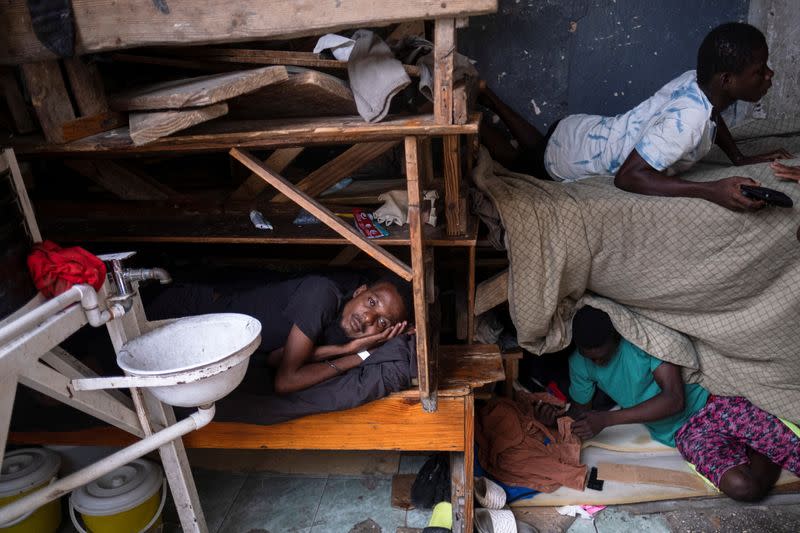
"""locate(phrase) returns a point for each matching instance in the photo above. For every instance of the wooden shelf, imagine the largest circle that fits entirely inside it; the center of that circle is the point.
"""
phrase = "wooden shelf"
(227, 228)
(222, 135)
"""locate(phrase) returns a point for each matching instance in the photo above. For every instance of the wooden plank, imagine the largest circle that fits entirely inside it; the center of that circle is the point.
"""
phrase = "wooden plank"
(649, 475)
(471, 295)
(270, 57)
(197, 92)
(23, 122)
(444, 51)
(49, 98)
(22, 195)
(121, 179)
(340, 167)
(92, 125)
(470, 365)
(491, 293)
(345, 257)
(307, 93)
(425, 364)
(393, 423)
(253, 185)
(222, 135)
(461, 473)
(148, 127)
(87, 86)
(324, 215)
(103, 25)
(412, 28)
(452, 185)
(401, 491)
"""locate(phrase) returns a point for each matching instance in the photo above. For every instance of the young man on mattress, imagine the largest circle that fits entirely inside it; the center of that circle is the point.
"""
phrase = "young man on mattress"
(740, 448)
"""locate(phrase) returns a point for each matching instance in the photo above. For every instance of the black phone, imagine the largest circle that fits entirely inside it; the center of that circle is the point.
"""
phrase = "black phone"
(770, 196)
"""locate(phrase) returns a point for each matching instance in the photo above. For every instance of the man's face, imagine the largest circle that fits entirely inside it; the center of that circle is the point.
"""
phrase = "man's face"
(372, 310)
(601, 355)
(754, 81)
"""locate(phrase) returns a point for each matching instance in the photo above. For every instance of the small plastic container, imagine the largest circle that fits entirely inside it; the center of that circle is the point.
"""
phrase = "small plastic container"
(129, 499)
(24, 471)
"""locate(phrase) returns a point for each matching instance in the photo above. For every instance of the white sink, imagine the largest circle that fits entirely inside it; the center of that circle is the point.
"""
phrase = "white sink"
(203, 358)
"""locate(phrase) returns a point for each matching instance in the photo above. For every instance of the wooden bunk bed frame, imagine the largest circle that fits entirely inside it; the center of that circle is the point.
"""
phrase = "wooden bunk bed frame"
(439, 414)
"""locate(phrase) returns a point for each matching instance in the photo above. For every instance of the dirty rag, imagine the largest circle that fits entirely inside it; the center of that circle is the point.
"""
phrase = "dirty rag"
(340, 46)
(375, 75)
(55, 269)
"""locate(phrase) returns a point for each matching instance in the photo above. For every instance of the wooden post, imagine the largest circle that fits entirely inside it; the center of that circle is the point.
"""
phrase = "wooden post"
(455, 215)
(426, 365)
(49, 97)
(87, 86)
(16, 104)
(461, 472)
(444, 51)
(471, 296)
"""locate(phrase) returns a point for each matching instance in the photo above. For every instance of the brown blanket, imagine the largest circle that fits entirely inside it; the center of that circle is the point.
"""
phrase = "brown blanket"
(686, 280)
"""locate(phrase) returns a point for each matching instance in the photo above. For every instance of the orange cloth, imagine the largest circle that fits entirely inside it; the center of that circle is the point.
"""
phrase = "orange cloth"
(55, 269)
(512, 449)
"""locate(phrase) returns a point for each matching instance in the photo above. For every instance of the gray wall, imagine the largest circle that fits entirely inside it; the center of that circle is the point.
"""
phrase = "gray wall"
(549, 58)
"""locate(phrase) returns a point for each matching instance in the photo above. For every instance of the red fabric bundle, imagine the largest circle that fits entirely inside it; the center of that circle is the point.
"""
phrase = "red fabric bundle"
(55, 269)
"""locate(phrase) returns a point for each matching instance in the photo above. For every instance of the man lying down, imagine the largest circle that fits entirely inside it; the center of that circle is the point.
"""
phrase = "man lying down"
(327, 342)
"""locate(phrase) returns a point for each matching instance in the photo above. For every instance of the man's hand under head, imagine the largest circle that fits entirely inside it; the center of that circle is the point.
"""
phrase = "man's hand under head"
(785, 172)
(376, 339)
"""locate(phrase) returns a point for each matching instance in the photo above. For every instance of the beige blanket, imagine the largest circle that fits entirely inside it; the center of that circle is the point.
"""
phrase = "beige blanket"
(684, 279)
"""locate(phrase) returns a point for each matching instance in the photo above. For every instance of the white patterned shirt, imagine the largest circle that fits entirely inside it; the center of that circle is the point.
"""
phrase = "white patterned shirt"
(671, 130)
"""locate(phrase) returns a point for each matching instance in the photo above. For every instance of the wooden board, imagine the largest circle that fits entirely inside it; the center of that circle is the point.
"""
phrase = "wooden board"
(148, 127)
(401, 490)
(9, 88)
(222, 134)
(49, 98)
(124, 181)
(92, 125)
(392, 423)
(306, 93)
(444, 51)
(116, 24)
(253, 185)
(87, 86)
(197, 92)
(491, 293)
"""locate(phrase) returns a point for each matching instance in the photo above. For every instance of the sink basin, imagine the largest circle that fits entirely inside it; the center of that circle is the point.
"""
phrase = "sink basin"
(205, 355)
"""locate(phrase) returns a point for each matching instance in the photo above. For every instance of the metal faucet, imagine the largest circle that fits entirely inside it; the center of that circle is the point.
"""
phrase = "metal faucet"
(124, 276)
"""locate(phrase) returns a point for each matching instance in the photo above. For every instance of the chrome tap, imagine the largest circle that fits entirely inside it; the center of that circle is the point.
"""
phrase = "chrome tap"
(123, 277)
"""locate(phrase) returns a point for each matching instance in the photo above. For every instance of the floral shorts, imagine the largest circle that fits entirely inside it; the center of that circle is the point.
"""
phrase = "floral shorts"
(717, 437)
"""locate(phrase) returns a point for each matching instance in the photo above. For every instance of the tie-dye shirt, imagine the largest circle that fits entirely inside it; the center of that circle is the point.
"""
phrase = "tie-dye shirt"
(671, 130)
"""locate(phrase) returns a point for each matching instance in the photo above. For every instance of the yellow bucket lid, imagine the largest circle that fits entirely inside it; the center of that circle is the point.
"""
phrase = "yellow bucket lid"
(27, 468)
(120, 490)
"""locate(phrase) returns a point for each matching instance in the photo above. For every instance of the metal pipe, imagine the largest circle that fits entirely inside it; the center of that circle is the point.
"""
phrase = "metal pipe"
(63, 486)
(84, 294)
(141, 274)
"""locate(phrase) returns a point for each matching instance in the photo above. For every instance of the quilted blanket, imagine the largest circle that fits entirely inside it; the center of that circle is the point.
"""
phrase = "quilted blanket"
(690, 282)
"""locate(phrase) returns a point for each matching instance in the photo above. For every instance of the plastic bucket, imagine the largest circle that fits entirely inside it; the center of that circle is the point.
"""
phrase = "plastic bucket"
(129, 499)
(25, 471)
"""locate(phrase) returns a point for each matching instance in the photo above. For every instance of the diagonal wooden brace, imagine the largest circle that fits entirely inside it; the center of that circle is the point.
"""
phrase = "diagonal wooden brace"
(323, 214)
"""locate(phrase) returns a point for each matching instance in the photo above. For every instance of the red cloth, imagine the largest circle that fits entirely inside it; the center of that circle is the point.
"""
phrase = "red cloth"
(55, 269)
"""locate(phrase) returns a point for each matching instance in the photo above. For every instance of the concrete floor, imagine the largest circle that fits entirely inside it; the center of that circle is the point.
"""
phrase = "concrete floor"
(349, 492)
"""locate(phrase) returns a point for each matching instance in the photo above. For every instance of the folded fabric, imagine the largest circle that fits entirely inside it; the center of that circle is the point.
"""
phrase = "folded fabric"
(395, 207)
(375, 75)
(55, 269)
(340, 46)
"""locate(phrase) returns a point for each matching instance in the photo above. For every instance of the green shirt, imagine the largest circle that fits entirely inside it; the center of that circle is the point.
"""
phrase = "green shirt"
(628, 379)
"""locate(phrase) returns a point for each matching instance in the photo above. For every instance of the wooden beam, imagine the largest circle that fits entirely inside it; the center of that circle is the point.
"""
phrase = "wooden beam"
(148, 127)
(444, 51)
(103, 25)
(268, 57)
(491, 293)
(426, 366)
(345, 257)
(456, 219)
(324, 215)
(253, 185)
(22, 194)
(197, 92)
(340, 167)
(87, 86)
(221, 135)
(121, 179)
(23, 122)
(83, 127)
(49, 97)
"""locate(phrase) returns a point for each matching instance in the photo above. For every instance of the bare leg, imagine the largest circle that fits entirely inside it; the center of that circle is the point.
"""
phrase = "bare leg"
(525, 133)
(750, 483)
